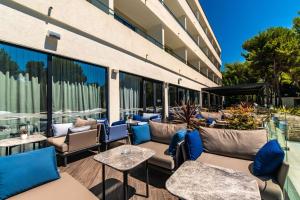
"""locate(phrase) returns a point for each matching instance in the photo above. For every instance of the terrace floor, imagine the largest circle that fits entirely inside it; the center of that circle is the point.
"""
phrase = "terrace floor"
(89, 172)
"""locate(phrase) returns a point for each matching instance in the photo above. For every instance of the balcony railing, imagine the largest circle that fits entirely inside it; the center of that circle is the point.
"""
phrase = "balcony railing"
(204, 28)
(196, 42)
(102, 6)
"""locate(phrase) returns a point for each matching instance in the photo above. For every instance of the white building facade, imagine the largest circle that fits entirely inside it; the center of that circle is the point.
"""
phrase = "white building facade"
(103, 58)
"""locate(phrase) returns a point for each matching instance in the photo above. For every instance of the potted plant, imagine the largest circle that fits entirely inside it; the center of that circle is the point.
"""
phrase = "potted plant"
(23, 133)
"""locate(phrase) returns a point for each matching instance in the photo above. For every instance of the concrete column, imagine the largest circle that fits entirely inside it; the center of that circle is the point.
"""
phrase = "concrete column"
(182, 52)
(166, 99)
(198, 15)
(113, 95)
(183, 21)
(158, 33)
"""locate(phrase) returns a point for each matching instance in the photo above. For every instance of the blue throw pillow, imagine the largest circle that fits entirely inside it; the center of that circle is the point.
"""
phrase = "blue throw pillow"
(21, 172)
(137, 117)
(199, 116)
(268, 159)
(193, 143)
(209, 121)
(118, 123)
(141, 134)
(177, 137)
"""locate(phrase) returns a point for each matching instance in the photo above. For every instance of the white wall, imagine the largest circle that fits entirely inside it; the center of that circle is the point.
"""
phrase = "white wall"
(91, 35)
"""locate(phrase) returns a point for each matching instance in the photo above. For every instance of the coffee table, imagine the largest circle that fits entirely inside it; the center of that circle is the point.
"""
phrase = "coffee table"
(17, 141)
(198, 181)
(124, 158)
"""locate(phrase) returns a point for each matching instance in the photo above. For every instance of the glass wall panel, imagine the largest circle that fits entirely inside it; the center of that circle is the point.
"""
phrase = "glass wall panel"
(172, 96)
(78, 90)
(23, 88)
(131, 95)
(138, 95)
(205, 102)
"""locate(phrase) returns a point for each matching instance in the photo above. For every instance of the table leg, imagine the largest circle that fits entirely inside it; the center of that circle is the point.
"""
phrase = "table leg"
(103, 182)
(6, 151)
(9, 150)
(33, 146)
(147, 179)
(125, 184)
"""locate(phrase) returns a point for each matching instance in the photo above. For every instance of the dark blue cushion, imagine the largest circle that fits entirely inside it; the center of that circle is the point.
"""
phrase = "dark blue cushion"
(209, 121)
(268, 159)
(199, 116)
(141, 134)
(137, 117)
(21, 172)
(118, 123)
(193, 143)
(177, 137)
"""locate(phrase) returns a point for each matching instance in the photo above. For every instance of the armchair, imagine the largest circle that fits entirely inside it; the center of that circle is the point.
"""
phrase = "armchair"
(113, 133)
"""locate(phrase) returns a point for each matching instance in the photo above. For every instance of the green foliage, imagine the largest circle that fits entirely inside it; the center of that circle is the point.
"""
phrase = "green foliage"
(7, 64)
(241, 117)
(292, 111)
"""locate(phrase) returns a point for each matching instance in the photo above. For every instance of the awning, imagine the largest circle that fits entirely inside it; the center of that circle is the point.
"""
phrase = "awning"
(243, 89)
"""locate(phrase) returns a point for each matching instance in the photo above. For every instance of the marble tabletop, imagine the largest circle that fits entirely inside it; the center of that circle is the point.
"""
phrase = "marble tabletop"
(18, 141)
(195, 180)
(125, 157)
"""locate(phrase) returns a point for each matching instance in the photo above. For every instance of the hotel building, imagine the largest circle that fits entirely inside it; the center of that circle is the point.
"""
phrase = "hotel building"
(60, 59)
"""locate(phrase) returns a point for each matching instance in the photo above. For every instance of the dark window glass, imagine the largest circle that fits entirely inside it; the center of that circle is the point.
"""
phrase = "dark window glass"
(149, 95)
(23, 87)
(205, 102)
(78, 90)
(181, 95)
(159, 97)
(172, 96)
(131, 95)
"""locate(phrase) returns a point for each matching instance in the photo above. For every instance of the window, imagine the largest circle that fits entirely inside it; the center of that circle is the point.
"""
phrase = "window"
(78, 90)
(177, 95)
(138, 95)
(36, 93)
(23, 89)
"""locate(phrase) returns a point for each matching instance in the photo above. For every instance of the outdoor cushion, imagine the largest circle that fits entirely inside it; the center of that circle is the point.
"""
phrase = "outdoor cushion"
(193, 144)
(199, 116)
(64, 188)
(177, 137)
(137, 117)
(118, 122)
(141, 134)
(24, 171)
(79, 129)
(234, 143)
(269, 189)
(150, 115)
(162, 132)
(268, 159)
(214, 115)
(81, 122)
(61, 129)
(59, 143)
(161, 157)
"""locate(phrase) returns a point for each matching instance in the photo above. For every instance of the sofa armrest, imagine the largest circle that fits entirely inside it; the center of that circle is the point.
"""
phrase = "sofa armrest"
(282, 174)
(180, 155)
(82, 140)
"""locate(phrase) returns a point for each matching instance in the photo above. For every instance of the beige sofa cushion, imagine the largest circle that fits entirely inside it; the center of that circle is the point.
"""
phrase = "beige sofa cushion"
(214, 115)
(64, 188)
(162, 132)
(82, 122)
(59, 143)
(269, 189)
(161, 157)
(234, 143)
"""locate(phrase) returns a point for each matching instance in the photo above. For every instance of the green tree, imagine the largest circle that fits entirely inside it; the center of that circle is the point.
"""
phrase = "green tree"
(272, 53)
(7, 64)
(296, 23)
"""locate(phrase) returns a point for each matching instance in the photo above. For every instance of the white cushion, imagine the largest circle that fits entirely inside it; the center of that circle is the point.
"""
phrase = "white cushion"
(79, 129)
(61, 129)
(148, 115)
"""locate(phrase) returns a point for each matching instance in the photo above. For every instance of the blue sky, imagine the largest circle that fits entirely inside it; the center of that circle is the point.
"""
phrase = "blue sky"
(234, 21)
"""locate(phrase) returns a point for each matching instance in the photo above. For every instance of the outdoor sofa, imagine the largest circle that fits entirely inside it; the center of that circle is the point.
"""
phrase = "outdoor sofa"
(161, 136)
(81, 136)
(236, 149)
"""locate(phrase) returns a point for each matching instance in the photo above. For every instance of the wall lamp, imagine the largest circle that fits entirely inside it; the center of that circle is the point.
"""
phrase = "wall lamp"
(54, 35)
(179, 81)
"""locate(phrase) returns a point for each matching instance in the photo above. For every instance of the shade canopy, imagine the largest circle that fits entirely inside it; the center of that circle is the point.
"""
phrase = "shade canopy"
(243, 89)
